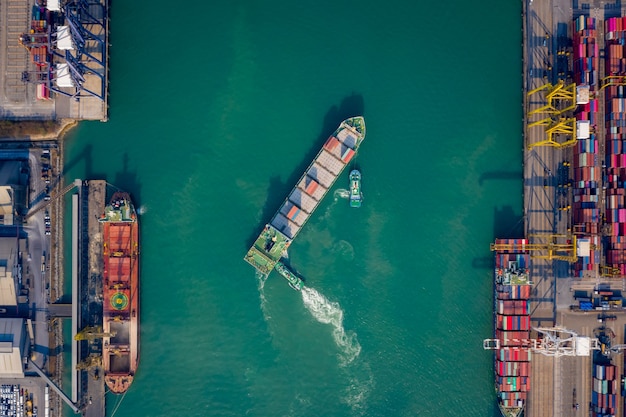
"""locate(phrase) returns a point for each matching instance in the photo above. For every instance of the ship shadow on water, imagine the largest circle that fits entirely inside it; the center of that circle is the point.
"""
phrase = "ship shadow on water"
(277, 191)
(127, 181)
(506, 225)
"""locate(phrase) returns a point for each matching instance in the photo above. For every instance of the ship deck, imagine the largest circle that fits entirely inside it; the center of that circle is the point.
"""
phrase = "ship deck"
(121, 303)
(304, 198)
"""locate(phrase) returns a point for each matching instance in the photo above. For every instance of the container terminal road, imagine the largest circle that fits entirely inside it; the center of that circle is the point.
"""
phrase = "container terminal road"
(572, 289)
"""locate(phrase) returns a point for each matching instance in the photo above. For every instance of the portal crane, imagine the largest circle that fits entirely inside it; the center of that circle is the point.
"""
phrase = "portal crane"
(612, 80)
(92, 333)
(562, 126)
(554, 341)
(89, 362)
(552, 249)
(560, 98)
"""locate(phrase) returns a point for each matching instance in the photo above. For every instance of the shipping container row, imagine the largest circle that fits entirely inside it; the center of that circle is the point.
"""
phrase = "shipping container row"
(513, 354)
(615, 146)
(585, 200)
(615, 215)
(616, 161)
(513, 292)
(615, 177)
(585, 159)
(512, 338)
(587, 145)
(38, 26)
(586, 228)
(515, 252)
(511, 399)
(513, 322)
(512, 307)
(601, 386)
(614, 24)
(602, 412)
(602, 400)
(512, 260)
(512, 368)
(584, 23)
(43, 92)
(585, 215)
(615, 256)
(603, 371)
(513, 383)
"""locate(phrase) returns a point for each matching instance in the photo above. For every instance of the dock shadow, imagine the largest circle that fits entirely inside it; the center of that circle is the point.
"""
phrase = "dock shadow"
(507, 224)
(350, 106)
(500, 175)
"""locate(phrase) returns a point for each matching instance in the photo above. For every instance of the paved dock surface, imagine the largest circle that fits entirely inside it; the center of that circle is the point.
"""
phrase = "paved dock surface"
(93, 388)
(18, 99)
(558, 384)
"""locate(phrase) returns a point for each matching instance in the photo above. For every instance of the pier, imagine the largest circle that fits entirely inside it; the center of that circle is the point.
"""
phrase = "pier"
(562, 386)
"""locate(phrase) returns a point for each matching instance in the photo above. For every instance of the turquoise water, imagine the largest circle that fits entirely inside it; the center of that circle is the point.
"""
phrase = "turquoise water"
(215, 112)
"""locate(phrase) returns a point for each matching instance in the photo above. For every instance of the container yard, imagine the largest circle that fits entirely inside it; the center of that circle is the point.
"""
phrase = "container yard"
(57, 53)
(559, 342)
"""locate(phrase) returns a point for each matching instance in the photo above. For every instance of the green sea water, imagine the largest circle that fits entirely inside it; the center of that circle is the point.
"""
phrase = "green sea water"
(216, 108)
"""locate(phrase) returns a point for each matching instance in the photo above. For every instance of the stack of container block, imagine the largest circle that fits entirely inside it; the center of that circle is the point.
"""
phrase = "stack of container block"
(615, 149)
(512, 325)
(603, 395)
(39, 20)
(587, 172)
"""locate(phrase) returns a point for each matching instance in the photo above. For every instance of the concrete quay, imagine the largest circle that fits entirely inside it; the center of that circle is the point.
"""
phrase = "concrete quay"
(558, 384)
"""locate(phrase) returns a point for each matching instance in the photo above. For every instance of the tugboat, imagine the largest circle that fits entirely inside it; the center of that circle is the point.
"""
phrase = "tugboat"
(295, 281)
(356, 196)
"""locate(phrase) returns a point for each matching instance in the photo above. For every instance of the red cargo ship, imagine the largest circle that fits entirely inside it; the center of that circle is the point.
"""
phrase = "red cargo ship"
(120, 355)
(512, 326)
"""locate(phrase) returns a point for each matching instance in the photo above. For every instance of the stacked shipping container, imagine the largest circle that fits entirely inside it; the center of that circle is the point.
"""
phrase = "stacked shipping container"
(603, 395)
(512, 325)
(39, 21)
(313, 185)
(615, 149)
(585, 190)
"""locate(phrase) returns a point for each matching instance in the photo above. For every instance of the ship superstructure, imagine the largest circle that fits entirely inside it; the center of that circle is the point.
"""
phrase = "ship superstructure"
(304, 198)
(120, 351)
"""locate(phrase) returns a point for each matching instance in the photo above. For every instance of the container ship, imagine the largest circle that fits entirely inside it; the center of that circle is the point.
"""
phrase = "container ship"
(310, 189)
(120, 350)
(512, 327)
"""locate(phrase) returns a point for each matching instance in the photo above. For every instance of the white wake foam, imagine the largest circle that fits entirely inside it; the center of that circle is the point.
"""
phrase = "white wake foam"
(341, 193)
(261, 279)
(142, 210)
(329, 312)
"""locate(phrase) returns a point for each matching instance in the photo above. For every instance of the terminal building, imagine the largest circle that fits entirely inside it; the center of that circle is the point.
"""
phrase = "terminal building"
(13, 348)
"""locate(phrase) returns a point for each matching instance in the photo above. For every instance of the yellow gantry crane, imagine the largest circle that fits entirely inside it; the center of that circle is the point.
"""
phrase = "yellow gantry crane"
(612, 80)
(560, 98)
(92, 333)
(548, 246)
(553, 128)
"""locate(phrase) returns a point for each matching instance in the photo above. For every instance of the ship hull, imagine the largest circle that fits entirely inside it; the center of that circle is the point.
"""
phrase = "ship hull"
(120, 355)
(304, 198)
(356, 197)
(512, 327)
